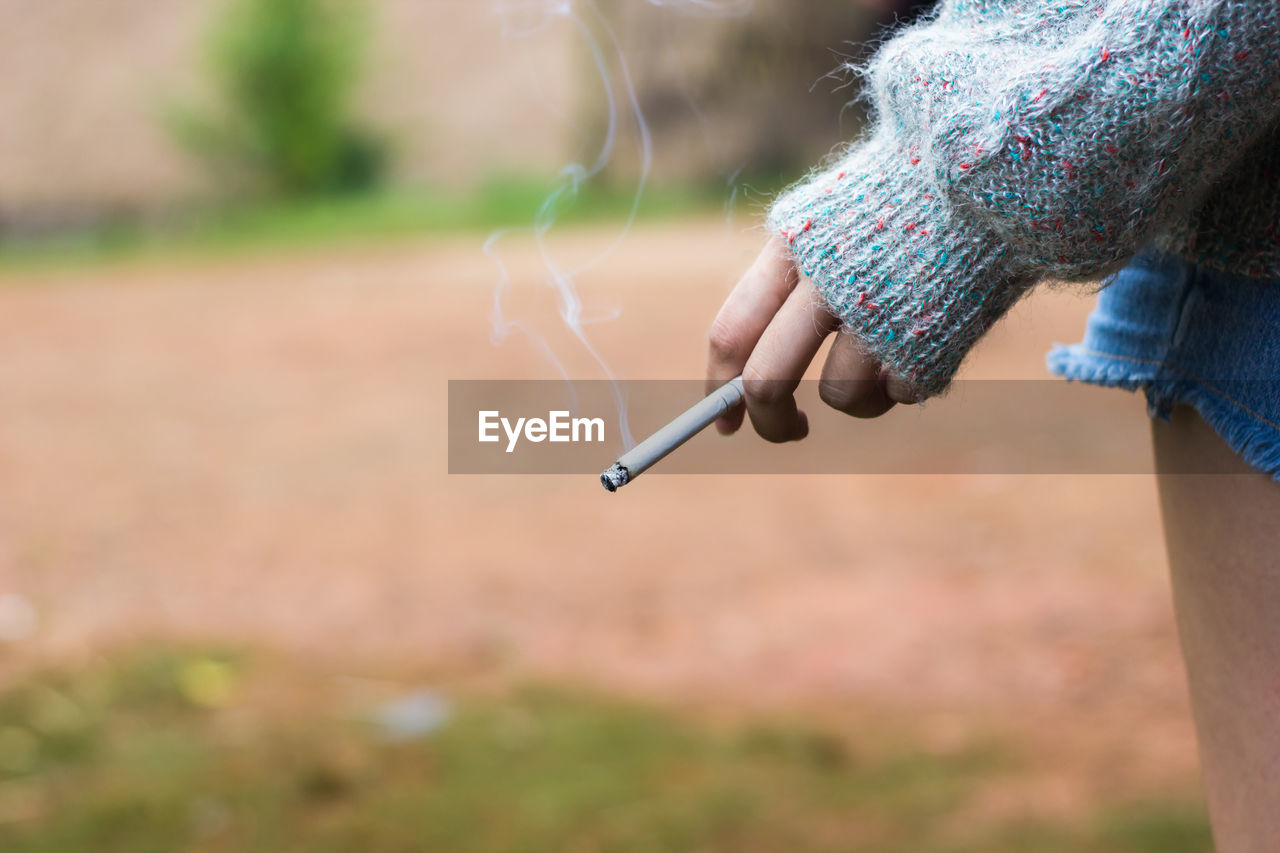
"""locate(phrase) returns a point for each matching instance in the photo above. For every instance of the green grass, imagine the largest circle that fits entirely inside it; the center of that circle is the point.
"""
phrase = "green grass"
(210, 752)
(325, 220)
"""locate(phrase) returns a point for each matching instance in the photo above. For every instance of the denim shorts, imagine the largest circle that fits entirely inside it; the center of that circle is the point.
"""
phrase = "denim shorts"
(1185, 334)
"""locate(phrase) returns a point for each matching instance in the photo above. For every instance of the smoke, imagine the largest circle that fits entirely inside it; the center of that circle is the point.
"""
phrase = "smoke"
(525, 19)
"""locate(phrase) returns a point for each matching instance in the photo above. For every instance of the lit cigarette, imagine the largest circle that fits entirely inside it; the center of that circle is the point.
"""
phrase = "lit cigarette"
(644, 455)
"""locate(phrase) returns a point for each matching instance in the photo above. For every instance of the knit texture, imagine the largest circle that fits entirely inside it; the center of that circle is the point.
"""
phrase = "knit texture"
(1018, 140)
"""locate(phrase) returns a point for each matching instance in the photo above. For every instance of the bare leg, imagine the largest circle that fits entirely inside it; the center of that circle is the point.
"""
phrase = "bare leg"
(1223, 536)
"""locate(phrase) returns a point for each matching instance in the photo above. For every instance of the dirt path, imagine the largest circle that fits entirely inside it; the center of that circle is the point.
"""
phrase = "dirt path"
(253, 452)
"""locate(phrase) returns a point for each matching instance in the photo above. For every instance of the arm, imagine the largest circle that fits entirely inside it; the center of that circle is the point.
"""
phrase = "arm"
(1011, 145)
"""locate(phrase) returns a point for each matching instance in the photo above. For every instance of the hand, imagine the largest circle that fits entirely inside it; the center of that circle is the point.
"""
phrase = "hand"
(769, 330)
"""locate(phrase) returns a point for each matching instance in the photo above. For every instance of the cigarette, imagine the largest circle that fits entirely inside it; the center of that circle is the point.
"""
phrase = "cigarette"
(644, 455)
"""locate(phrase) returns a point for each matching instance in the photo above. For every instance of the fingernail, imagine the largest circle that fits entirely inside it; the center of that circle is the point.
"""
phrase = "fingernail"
(804, 427)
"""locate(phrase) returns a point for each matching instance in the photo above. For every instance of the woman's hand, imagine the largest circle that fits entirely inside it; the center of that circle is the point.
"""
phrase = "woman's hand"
(768, 330)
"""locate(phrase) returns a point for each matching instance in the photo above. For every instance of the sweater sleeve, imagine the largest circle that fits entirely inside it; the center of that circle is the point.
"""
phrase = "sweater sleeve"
(1014, 142)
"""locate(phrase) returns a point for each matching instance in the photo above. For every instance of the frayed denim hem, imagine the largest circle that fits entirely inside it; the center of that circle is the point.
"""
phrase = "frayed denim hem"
(1251, 436)
(1253, 439)
(1077, 364)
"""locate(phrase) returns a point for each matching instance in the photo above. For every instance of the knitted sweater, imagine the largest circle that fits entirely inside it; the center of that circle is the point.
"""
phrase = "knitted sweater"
(1018, 140)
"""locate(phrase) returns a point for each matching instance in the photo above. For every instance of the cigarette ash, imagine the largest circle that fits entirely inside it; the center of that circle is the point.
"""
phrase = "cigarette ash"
(615, 478)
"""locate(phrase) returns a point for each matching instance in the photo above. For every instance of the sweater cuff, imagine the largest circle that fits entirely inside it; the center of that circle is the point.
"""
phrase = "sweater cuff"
(905, 274)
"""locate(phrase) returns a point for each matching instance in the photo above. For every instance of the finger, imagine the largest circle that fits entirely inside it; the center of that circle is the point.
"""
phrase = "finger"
(744, 317)
(851, 380)
(900, 390)
(778, 362)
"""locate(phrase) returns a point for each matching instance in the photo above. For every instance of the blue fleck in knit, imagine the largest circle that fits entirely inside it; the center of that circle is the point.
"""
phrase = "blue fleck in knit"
(1018, 140)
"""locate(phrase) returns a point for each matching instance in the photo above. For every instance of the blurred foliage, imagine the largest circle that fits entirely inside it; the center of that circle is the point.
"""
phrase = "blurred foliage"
(133, 756)
(284, 74)
(333, 220)
(755, 94)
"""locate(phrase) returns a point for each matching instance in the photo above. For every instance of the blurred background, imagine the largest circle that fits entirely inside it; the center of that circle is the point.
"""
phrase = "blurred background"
(243, 246)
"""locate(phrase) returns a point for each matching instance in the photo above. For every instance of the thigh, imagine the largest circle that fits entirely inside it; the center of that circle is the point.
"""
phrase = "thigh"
(1223, 536)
